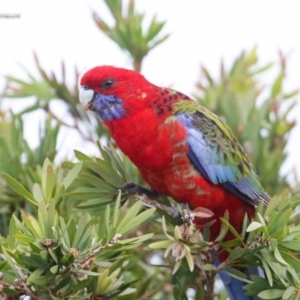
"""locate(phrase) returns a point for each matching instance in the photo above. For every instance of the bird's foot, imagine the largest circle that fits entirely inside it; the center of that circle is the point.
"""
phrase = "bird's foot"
(196, 216)
(201, 217)
(132, 188)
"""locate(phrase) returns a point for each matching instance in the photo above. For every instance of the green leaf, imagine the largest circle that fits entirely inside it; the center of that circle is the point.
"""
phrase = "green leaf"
(292, 245)
(288, 293)
(295, 276)
(254, 226)
(154, 29)
(271, 294)
(164, 226)
(137, 239)
(81, 156)
(235, 273)
(37, 192)
(161, 244)
(25, 239)
(277, 86)
(34, 227)
(36, 276)
(95, 204)
(47, 219)
(83, 230)
(53, 254)
(279, 257)
(11, 239)
(117, 209)
(291, 260)
(89, 273)
(132, 212)
(224, 227)
(104, 282)
(236, 253)
(54, 269)
(48, 180)
(19, 189)
(88, 193)
(179, 290)
(9, 258)
(104, 170)
(136, 221)
(189, 258)
(268, 272)
(71, 176)
(233, 231)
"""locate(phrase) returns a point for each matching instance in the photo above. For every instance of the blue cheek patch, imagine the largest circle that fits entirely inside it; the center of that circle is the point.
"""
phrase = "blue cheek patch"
(108, 107)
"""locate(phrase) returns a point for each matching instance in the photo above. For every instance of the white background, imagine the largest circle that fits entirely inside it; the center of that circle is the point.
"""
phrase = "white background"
(203, 32)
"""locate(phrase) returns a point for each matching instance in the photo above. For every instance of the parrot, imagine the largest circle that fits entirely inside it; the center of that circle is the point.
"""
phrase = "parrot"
(181, 149)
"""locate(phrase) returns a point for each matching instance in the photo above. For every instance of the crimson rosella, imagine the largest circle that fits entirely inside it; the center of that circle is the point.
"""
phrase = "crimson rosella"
(181, 149)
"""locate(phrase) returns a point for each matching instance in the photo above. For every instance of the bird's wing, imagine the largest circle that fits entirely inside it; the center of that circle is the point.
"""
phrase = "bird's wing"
(216, 153)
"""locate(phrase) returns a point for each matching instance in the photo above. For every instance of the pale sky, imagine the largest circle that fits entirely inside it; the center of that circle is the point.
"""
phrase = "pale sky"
(203, 32)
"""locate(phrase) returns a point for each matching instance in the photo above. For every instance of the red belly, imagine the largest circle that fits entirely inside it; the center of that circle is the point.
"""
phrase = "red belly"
(188, 186)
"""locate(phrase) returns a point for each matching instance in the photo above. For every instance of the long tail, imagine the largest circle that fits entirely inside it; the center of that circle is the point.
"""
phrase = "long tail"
(234, 287)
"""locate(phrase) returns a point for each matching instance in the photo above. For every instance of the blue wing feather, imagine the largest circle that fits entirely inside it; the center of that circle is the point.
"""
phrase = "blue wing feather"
(204, 156)
(208, 161)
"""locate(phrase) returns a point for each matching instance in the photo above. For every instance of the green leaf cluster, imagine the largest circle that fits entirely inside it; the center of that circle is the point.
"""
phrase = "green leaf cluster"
(275, 235)
(21, 163)
(48, 256)
(260, 110)
(129, 31)
(270, 242)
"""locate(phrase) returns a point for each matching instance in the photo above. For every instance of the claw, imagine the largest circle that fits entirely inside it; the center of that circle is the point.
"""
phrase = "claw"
(176, 215)
(131, 188)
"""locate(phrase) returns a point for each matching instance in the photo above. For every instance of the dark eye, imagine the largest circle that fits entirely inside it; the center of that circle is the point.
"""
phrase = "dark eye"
(107, 83)
(85, 87)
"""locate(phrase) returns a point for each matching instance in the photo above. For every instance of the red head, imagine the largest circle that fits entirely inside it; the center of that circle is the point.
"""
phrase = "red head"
(108, 79)
(111, 91)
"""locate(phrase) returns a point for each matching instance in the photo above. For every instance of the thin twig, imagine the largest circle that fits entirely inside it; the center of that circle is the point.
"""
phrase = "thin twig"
(87, 260)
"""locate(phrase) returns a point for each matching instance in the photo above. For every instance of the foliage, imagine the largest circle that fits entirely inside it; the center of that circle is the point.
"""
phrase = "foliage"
(48, 256)
(47, 87)
(271, 242)
(266, 108)
(21, 162)
(128, 32)
(68, 232)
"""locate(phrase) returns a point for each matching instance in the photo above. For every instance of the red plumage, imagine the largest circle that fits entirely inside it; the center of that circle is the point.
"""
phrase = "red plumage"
(165, 166)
